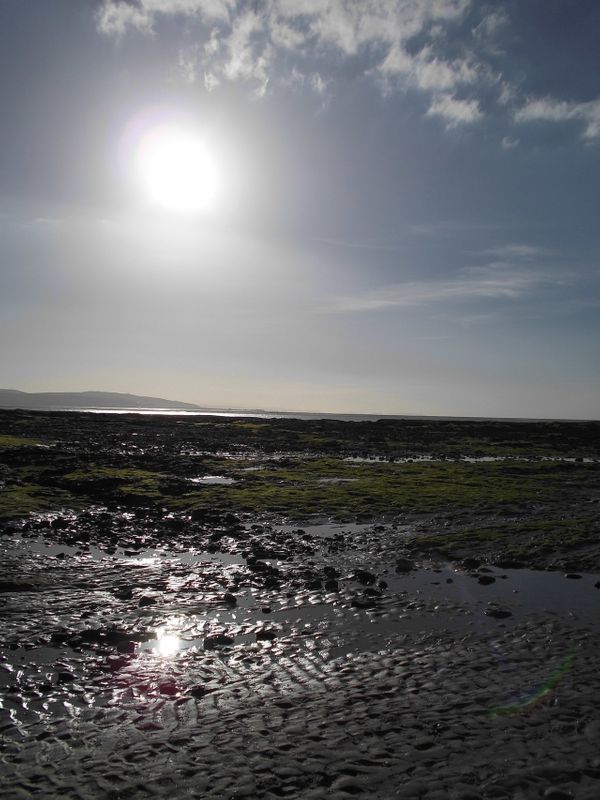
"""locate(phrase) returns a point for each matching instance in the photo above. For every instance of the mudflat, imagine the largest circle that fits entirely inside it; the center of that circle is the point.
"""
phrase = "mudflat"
(244, 607)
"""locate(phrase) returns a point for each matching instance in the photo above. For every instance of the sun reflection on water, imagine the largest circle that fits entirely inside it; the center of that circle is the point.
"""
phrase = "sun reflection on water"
(168, 642)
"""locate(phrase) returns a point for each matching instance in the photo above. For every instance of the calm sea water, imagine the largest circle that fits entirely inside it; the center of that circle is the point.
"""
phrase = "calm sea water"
(261, 414)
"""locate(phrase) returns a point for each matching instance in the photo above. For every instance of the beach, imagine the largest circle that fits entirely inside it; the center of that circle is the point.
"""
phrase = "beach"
(249, 607)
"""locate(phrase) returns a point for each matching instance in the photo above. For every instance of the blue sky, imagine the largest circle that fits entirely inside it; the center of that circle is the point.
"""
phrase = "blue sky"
(407, 204)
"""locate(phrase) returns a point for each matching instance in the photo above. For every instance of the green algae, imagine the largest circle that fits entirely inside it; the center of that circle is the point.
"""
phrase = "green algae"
(29, 498)
(18, 441)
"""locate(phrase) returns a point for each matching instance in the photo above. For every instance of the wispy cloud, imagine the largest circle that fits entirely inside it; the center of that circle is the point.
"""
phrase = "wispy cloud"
(454, 111)
(517, 251)
(491, 282)
(241, 41)
(549, 109)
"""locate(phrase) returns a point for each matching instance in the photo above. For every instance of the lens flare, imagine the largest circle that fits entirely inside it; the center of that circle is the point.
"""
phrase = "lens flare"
(537, 694)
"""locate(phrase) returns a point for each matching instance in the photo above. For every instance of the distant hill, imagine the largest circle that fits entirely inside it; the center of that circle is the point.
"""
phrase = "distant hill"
(11, 398)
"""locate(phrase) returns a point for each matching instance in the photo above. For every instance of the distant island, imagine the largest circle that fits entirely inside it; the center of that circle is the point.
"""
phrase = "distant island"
(12, 398)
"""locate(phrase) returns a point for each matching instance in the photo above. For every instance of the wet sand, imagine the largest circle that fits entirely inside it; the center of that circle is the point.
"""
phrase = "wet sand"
(222, 653)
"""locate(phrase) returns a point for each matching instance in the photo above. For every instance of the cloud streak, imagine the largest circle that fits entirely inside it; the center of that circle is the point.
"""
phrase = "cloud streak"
(549, 109)
(496, 281)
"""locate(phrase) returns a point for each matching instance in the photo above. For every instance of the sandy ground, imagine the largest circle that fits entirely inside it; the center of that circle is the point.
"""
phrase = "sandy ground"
(179, 672)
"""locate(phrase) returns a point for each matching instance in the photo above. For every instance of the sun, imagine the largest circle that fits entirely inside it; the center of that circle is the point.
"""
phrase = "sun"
(176, 170)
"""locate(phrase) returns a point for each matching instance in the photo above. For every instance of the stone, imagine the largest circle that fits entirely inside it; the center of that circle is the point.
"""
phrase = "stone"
(497, 613)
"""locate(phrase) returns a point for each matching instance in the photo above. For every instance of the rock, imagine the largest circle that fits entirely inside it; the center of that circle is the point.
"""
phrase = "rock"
(266, 635)
(218, 640)
(168, 687)
(509, 563)
(364, 577)
(199, 691)
(497, 613)
(592, 731)
(230, 599)
(573, 576)
(123, 593)
(363, 602)
(404, 565)
(485, 580)
(554, 793)
(16, 586)
(146, 601)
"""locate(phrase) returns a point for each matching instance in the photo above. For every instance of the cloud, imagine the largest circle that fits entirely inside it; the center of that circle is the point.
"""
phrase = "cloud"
(522, 252)
(453, 111)
(115, 17)
(495, 281)
(549, 109)
(241, 41)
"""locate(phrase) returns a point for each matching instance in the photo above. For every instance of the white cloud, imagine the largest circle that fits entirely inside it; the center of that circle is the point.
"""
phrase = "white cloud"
(523, 252)
(549, 109)
(496, 281)
(455, 111)
(115, 17)
(240, 41)
(509, 143)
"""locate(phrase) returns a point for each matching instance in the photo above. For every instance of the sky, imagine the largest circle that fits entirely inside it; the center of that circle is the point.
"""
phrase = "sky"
(374, 206)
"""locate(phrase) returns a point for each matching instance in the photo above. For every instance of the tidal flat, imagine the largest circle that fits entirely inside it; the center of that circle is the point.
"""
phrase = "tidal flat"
(264, 608)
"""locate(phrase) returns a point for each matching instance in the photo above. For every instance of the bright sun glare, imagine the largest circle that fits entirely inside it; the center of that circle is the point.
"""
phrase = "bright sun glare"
(176, 170)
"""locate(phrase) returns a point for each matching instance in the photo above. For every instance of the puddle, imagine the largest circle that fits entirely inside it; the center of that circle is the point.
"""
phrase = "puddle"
(336, 480)
(327, 530)
(213, 480)
(523, 591)
(151, 554)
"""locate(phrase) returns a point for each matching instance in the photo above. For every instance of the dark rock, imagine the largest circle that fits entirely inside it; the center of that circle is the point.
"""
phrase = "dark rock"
(404, 565)
(510, 563)
(199, 691)
(17, 586)
(266, 635)
(315, 583)
(574, 576)
(497, 613)
(364, 577)
(554, 793)
(168, 687)
(230, 599)
(363, 602)
(485, 580)
(146, 601)
(471, 563)
(332, 586)
(218, 640)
